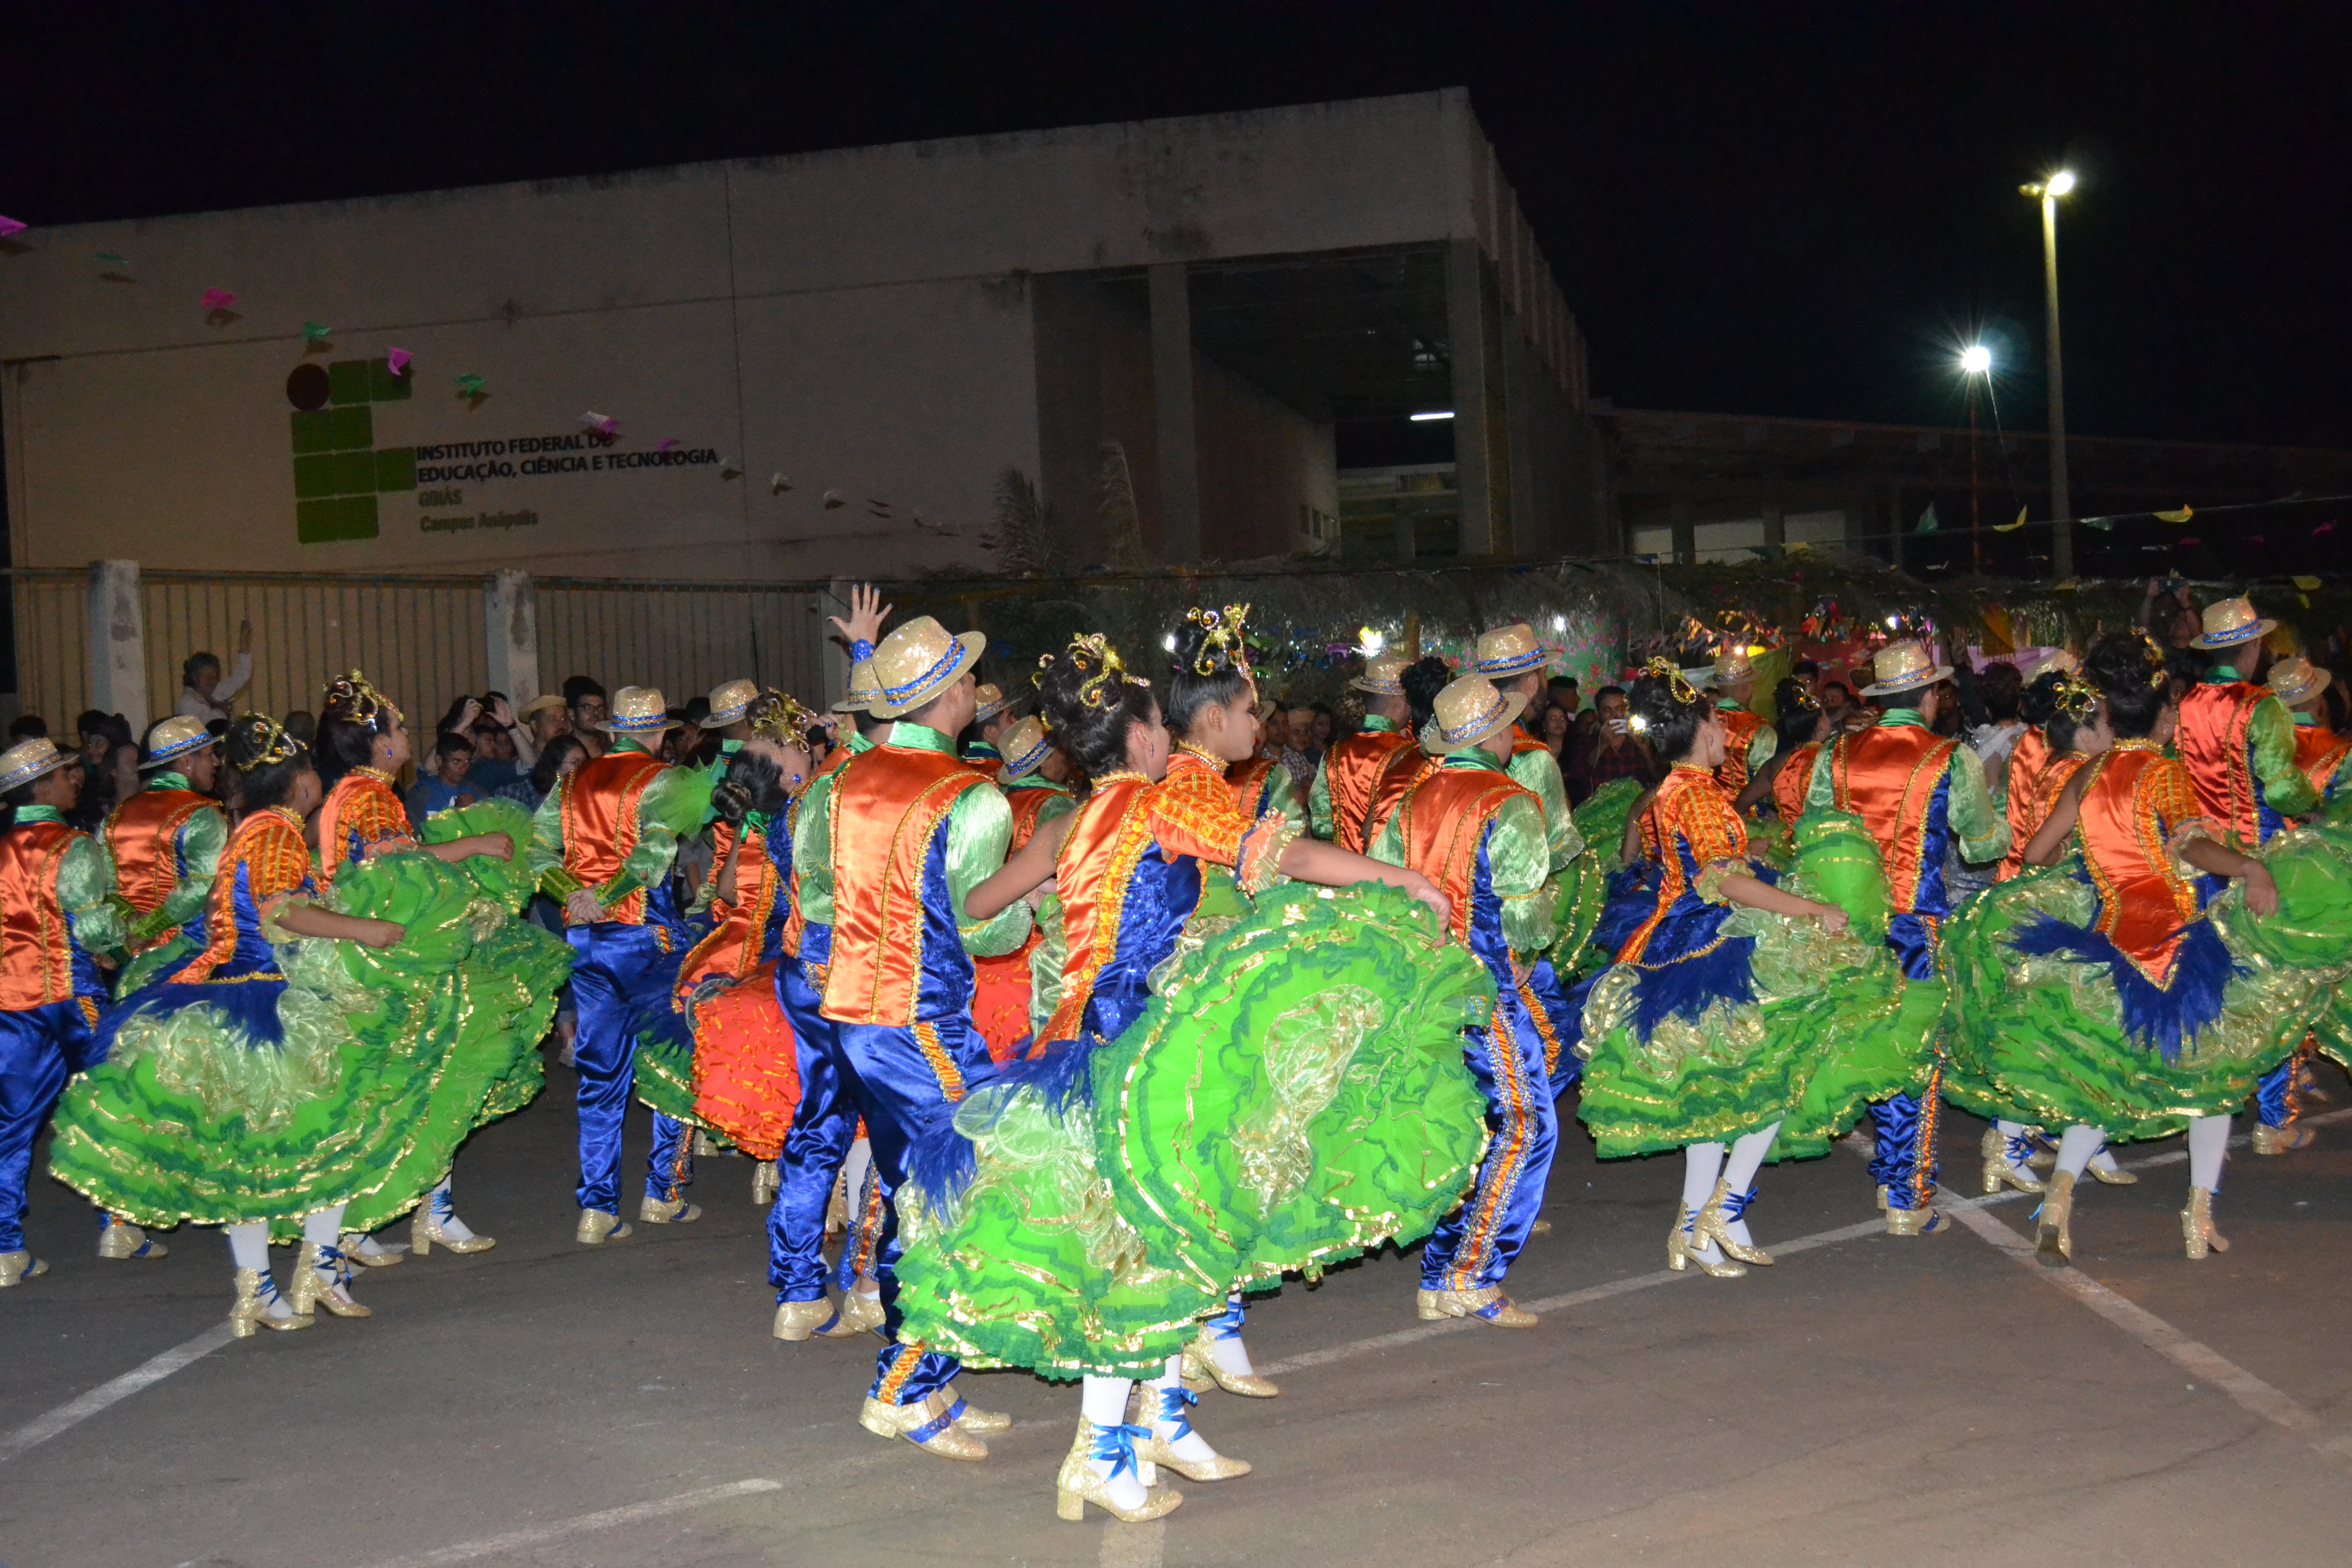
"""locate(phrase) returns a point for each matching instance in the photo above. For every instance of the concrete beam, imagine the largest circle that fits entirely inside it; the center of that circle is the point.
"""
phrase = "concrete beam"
(1172, 396)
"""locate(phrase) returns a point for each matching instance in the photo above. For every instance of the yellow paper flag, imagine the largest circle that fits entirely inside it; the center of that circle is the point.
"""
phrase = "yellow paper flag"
(2176, 517)
(2306, 584)
(2010, 527)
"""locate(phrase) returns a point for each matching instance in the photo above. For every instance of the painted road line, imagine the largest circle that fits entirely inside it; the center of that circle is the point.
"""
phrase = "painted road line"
(154, 1370)
(582, 1524)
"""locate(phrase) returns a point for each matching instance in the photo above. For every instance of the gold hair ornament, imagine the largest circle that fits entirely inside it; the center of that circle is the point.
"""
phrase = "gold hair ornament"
(2153, 652)
(2075, 697)
(1221, 630)
(1107, 666)
(354, 701)
(276, 745)
(778, 716)
(1684, 694)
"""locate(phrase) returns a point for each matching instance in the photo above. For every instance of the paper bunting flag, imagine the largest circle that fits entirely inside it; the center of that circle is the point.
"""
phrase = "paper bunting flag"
(315, 331)
(2188, 540)
(2176, 517)
(1928, 523)
(2323, 530)
(219, 300)
(2104, 524)
(397, 360)
(469, 386)
(111, 258)
(665, 443)
(2306, 583)
(604, 423)
(9, 226)
(2010, 527)
(729, 468)
(833, 500)
(778, 484)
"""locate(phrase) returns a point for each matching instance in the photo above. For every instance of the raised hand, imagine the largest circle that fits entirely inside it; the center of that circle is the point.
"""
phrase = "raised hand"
(866, 614)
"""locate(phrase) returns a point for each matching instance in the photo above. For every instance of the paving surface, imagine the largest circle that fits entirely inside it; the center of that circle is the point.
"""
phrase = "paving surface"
(1868, 1400)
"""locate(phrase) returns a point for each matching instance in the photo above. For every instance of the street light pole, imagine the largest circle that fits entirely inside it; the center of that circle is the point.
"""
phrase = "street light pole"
(2062, 511)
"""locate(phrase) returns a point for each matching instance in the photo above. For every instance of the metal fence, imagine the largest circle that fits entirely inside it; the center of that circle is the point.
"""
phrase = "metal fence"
(420, 639)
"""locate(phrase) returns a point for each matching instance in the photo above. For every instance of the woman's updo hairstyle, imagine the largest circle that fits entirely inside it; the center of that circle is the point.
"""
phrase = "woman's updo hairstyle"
(2058, 702)
(1668, 710)
(1799, 712)
(351, 716)
(2129, 670)
(755, 782)
(1423, 680)
(1090, 703)
(1211, 664)
(266, 761)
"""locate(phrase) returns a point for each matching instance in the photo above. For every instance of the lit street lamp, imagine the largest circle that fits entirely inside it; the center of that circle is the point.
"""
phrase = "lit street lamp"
(2062, 530)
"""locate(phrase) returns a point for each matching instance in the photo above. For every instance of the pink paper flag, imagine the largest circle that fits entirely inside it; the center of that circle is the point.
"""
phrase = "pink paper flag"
(397, 360)
(218, 299)
(2322, 530)
(665, 443)
(9, 226)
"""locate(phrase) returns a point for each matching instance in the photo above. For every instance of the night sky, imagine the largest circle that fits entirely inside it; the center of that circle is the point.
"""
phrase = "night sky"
(1774, 208)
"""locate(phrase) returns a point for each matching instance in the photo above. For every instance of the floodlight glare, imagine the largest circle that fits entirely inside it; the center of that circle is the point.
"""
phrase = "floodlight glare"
(1432, 413)
(1976, 360)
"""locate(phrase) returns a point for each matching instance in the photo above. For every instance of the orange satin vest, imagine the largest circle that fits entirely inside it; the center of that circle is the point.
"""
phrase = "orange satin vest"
(1887, 777)
(2319, 751)
(886, 804)
(1441, 822)
(143, 834)
(2036, 779)
(267, 846)
(1352, 770)
(1026, 804)
(1739, 728)
(1399, 771)
(600, 824)
(732, 948)
(2134, 801)
(36, 940)
(362, 802)
(2212, 745)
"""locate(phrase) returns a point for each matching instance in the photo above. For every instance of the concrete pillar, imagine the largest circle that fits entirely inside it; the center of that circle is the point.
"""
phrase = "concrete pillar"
(1685, 526)
(511, 626)
(1776, 529)
(1172, 397)
(117, 644)
(1473, 449)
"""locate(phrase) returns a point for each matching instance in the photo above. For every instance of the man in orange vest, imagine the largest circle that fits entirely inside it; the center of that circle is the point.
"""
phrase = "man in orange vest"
(1918, 794)
(1340, 805)
(2237, 741)
(601, 847)
(1748, 743)
(911, 829)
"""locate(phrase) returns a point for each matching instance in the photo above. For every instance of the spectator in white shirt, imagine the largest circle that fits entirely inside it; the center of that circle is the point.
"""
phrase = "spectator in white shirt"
(203, 693)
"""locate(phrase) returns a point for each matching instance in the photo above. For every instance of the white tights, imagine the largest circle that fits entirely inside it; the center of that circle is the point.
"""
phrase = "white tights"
(1704, 1163)
(248, 1248)
(2208, 1143)
(1103, 1402)
(2076, 1145)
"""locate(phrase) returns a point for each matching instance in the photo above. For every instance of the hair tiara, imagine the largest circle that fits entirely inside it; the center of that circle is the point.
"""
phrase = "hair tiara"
(274, 744)
(1220, 638)
(1094, 652)
(353, 700)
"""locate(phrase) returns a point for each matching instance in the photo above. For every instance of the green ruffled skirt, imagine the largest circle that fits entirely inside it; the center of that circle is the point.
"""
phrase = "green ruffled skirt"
(388, 1060)
(1294, 1095)
(2041, 1039)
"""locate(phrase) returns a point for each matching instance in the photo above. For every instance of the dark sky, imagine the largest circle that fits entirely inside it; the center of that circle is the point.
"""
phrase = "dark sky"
(1774, 208)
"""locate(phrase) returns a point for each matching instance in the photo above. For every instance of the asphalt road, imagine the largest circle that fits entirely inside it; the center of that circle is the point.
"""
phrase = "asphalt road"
(1867, 1400)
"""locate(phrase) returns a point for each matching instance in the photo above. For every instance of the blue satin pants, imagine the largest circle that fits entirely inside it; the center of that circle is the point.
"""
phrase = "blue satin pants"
(824, 1126)
(1549, 1008)
(899, 1079)
(39, 1049)
(669, 1169)
(1473, 1246)
(1904, 1125)
(2275, 1094)
(608, 962)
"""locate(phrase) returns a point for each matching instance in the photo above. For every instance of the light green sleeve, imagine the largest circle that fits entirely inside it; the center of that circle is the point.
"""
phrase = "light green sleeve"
(1282, 796)
(86, 892)
(1319, 800)
(980, 831)
(202, 839)
(1761, 747)
(1821, 793)
(1519, 870)
(2270, 735)
(1388, 845)
(1539, 772)
(547, 843)
(1061, 805)
(1982, 826)
(1046, 960)
(812, 850)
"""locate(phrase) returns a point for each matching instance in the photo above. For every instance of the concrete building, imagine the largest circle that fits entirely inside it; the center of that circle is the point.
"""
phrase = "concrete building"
(798, 367)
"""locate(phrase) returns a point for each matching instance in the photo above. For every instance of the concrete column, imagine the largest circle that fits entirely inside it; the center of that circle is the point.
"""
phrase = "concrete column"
(1776, 529)
(511, 626)
(1172, 397)
(1466, 338)
(117, 644)
(1680, 514)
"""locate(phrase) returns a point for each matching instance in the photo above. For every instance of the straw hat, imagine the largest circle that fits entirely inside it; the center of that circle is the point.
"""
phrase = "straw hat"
(1024, 746)
(2296, 679)
(916, 662)
(540, 704)
(1383, 676)
(2230, 622)
(1731, 667)
(729, 701)
(173, 738)
(861, 689)
(28, 760)
(637, 711)
(1466, 712)
(1905, 665)
(991, 702)
(1510, 650)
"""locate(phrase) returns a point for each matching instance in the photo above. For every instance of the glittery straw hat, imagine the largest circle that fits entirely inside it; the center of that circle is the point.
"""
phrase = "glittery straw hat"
(991, 702)
(861, 689)
(1383, 676)
(916, 662)
(1510, 650)
(1024, 747)
(173, 738)
(1466, 712)
(638, 710)
(2230, 622)
(729, 703)
(28, 760)
(1732, 666)
(2296, 679)
(1903, 666)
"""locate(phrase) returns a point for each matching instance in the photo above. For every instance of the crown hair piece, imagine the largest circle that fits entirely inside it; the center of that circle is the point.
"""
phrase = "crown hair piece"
(1093, 651)
(1220, 638)
(778, 716)
(276, 745)
(2076, 698)
(354, 701)
(1684, 693)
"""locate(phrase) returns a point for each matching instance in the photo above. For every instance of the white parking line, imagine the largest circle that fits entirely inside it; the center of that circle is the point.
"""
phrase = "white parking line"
(41, 1428)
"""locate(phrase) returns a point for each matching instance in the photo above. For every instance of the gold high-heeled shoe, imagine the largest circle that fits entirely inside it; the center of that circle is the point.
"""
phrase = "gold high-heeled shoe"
(424, 1234)
(1158, 1450)
(1714, 1225)
(252, 1308)
(1678, 1238)
(2053, 1234)
(1998, 1170)
(1076, 1485)
(2197, 1225)
(315, 1279)
(122, 1239)
(349, 1243)
(2111, 1176)
(767, 1180)
(1201, 1369)
(836, 1207)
